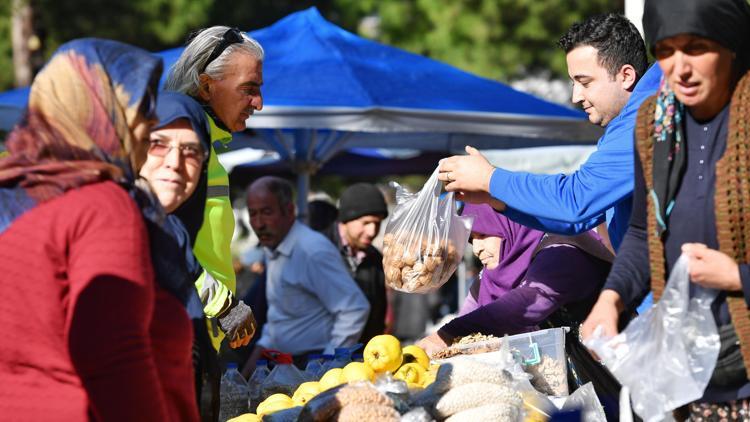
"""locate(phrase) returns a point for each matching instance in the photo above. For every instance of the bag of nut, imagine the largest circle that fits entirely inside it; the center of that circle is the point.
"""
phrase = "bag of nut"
(424, 240)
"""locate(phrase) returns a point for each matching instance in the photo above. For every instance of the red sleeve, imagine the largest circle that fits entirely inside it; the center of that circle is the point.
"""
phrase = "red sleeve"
(111, 307)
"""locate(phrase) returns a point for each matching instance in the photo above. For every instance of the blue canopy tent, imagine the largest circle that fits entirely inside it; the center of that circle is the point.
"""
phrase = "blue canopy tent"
(327, 90)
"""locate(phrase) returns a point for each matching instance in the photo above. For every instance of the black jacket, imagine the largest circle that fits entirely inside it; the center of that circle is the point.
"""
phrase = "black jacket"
(370, 279)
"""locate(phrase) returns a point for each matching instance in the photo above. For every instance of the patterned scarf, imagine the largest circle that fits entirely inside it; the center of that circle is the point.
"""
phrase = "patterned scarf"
(77, 131)
(669, 154)
(77, 127)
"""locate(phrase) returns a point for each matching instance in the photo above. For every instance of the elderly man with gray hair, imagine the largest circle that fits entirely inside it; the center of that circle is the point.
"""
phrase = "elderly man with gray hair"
(222, 69)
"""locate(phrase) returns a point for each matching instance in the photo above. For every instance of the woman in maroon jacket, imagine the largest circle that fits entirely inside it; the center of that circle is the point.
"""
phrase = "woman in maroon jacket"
(81, 313)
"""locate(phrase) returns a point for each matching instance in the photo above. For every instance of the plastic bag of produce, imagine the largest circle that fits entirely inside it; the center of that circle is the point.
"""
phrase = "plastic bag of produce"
(284, 377)
(322, 407)
(424, 240)
(326, 405)
(585, 399)
(665, 356)
(287, 415)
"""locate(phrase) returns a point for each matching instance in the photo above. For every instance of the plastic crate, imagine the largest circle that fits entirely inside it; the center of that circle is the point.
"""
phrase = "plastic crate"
(543, 356)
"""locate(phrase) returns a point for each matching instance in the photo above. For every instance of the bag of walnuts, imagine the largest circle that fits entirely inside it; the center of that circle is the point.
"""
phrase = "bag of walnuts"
(424, 240)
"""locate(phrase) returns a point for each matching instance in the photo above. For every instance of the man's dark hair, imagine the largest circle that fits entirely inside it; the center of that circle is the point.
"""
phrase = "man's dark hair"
(616, 39)
(280, 188)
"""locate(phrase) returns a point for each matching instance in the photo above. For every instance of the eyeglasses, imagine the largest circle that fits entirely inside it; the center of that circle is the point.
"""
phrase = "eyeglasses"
(231, 36)
(191, 153)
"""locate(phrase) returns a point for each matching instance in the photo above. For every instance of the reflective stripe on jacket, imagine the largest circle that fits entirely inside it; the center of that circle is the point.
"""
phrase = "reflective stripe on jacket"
(212, 246)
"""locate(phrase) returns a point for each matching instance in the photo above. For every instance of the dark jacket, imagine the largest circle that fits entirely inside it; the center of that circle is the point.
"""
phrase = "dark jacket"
(370, 279)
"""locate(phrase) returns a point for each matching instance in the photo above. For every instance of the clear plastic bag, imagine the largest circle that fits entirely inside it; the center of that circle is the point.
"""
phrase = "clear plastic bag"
(425, 239)
(665, 356)
(585, 399)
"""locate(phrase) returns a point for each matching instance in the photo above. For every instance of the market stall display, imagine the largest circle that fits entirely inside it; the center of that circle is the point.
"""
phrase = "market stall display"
(507, 379)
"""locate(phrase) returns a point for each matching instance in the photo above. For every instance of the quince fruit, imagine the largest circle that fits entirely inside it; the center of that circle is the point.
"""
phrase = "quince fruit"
(415, 354)
(305, 392)
(331, 379)
(383, 353)
(428, 378)
(246, 417)
(411, 373)
(358, 371)
(274, 403)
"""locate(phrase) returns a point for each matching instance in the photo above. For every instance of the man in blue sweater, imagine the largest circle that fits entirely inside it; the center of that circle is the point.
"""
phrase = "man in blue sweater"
(607, 64)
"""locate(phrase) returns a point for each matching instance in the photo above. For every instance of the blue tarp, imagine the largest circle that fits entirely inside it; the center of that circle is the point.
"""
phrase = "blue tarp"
(326, 90)
(318, 75)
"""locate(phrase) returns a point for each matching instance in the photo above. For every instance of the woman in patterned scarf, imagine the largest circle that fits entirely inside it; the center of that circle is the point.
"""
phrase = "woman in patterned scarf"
(692, 185)
(85, 328)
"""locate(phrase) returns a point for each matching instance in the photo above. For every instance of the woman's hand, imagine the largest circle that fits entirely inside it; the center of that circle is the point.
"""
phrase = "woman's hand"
(605, 313)
(432, 344)
(711, 268)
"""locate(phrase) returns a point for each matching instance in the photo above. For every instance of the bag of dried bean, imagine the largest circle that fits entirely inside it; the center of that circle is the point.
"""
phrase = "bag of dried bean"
(424, 240)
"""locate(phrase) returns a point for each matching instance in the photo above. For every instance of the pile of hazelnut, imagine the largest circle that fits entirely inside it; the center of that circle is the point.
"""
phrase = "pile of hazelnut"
(417, 265)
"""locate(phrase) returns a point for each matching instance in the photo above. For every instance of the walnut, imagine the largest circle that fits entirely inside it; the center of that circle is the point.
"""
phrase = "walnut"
(393, 275)
(410, 260)
(422, 260)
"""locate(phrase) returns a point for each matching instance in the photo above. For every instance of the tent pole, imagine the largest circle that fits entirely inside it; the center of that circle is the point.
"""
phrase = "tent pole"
(303, 187)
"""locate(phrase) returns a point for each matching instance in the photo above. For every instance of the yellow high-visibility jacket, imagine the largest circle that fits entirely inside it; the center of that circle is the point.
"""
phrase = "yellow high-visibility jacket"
(217, 284)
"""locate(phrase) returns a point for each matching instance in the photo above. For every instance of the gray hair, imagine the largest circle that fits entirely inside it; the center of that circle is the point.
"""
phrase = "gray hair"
(184, 75)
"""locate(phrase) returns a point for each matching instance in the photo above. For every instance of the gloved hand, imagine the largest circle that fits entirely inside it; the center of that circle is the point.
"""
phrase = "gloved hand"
(238, 323)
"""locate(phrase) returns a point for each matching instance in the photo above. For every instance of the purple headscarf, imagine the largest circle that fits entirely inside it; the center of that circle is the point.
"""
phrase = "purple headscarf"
(516, 249)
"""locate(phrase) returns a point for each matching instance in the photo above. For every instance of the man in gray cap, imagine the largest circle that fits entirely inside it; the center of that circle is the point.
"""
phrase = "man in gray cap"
(361, 210)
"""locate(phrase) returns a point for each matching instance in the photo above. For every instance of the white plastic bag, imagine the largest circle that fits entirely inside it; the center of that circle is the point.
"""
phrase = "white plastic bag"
(585, 399)
(665, 356)
(425, 239)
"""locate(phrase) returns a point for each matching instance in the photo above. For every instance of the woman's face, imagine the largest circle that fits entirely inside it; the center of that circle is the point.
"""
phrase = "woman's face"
(487, 249)
(699, 71)
(174, 162)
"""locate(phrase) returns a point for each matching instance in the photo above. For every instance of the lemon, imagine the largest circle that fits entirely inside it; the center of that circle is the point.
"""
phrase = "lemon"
(305, 392)
(274, 403)
(383, 353)
(247, 417)
(331, 379)
(358, 371)
(415, 354)
(411, 373)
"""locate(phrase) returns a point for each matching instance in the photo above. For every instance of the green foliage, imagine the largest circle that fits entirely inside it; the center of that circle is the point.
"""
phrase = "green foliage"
(6, 48)
(151, 24)
(498, 39)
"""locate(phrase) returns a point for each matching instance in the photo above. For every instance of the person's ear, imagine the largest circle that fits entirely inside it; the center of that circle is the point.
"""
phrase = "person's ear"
(204, 87)
(628, 77)
(290, 210)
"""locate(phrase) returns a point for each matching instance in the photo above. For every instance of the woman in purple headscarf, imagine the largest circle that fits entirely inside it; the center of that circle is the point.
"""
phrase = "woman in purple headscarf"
(530, 279)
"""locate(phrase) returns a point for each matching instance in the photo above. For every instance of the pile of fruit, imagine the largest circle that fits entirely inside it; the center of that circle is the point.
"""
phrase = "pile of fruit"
(383, 354)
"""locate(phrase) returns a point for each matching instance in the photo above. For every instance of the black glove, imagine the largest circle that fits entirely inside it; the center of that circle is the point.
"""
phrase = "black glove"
(238, 323)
